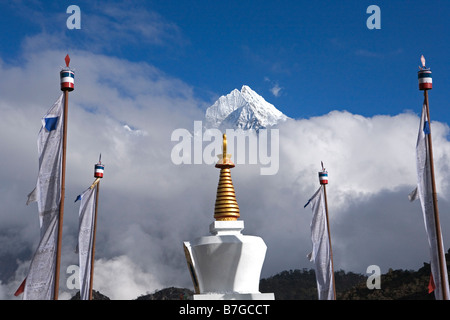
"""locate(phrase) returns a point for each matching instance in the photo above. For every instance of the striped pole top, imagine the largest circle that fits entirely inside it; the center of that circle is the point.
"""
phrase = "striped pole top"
(67, 76)
(424, 75)
(98, 170)
(323, 177)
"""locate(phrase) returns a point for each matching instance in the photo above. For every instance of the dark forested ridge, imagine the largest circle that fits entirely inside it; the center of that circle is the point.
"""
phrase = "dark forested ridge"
(301, 285)
(395, 285)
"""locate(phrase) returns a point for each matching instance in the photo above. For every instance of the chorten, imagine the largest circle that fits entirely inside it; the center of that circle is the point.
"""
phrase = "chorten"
(226, 265)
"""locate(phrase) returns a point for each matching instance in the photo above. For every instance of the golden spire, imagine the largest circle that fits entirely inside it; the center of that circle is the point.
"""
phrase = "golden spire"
(226, 208)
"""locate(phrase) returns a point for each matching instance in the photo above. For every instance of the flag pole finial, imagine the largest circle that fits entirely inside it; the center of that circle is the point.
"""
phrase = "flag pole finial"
(99, 168)
(323, 175)
(67, 76)
(424, 75)
(422, 59)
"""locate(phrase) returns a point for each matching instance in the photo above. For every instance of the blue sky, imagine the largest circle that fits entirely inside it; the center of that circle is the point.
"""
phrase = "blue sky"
(146, 68)
(319, 53)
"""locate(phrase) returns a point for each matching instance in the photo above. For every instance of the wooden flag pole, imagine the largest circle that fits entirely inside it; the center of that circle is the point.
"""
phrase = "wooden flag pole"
(91, 280)
(98, 174)
(67, 84)
(323, 179)
(61, 206)
(442, 262)
(329, 239)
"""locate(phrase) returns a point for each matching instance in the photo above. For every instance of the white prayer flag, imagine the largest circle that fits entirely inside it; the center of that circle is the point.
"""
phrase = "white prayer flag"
(425, 193)
(321, 253)
(86, 238)
(47, 193)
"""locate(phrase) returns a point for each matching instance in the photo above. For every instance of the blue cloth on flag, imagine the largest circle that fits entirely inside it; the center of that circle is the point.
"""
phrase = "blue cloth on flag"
(78, 198)
(426, 127)
(51, 123)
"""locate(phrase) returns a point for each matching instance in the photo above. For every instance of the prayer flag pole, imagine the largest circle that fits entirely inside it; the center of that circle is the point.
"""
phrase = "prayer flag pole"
(98, 174)
(322, 253)
(323, 179)
(425, 84)
(67, 84)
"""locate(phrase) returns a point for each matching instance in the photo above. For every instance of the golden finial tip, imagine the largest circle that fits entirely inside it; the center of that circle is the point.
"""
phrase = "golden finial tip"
(224, 148)
(224, 158)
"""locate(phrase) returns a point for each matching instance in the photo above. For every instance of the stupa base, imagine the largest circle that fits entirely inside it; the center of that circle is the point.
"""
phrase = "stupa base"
(234, 296)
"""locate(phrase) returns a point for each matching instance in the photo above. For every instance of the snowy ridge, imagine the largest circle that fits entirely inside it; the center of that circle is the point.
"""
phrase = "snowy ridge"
(244, 110)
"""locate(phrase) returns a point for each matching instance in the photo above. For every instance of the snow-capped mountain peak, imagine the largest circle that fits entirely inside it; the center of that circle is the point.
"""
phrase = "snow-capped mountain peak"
(243, 109)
